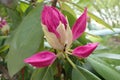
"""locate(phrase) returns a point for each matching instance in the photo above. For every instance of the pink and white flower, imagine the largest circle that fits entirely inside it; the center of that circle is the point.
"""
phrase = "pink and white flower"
(59, 35)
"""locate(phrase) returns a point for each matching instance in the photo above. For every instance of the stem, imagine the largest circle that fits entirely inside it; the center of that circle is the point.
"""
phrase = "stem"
(74, 66)
(54, 2)
(22, 72)
(70, 61)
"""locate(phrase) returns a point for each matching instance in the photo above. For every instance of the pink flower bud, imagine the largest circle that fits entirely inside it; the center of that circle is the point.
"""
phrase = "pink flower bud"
(56, 29)
(51, 17)
(80, 25)
(41, 59)
(84, 51)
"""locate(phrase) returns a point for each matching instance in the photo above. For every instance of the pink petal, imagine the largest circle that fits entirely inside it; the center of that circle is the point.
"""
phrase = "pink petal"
(84, 51)
(51, 17)
(41, 59)
(80, 25)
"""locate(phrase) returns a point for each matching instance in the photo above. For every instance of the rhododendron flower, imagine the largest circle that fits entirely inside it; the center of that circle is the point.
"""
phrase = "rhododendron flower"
(4, 26)
(59, 35)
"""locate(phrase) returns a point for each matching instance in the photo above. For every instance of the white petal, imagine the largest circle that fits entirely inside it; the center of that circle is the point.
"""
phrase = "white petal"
(52, 39)
(62, 32)
(69, 36)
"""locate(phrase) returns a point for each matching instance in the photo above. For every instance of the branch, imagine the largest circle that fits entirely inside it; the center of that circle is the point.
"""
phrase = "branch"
(5, 72)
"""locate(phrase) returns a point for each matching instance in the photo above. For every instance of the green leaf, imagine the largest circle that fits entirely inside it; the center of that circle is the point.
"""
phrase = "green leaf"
(71, 18)
(25, 41)
(15, 17)
(3, 37)
(42, 74)
(84, 3)
(4, 48)
(23, 6)
(93, 38)
(3, 11)
(104, 69)
(97, 19)
(83, 39)
(83, 74)
(67, 8)
(108, 55)
(39, 0)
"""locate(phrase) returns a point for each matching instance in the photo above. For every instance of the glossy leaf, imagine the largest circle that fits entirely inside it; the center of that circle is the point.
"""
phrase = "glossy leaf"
(26, 41)
(103, 68)
(42, 74)
(83, 74)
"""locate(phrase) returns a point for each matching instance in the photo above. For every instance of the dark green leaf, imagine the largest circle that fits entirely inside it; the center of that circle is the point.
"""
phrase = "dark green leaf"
(25, 41)
(83, 74)
(42, 74)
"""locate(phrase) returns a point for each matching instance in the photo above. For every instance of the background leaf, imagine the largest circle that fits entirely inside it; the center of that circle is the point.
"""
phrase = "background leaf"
(71, 18)
(104, 69)
(109, 55)
(67, 8)
(97, 19)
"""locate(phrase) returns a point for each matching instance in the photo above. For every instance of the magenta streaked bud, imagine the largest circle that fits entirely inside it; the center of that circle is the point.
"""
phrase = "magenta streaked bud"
(84, 51)
(51, 17)
(41, 59)
(80, 25)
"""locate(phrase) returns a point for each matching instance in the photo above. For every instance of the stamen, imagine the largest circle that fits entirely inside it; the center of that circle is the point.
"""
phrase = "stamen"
(65, 48)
